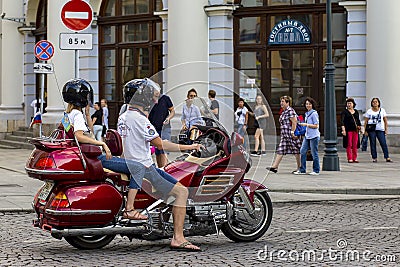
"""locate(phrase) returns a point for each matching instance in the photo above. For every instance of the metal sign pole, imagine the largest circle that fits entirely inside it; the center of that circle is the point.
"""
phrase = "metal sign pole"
(76, 63)
(42, 76)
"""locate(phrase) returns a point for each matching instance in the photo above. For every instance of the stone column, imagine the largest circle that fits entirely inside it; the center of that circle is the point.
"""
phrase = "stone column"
(383, 56)
(29, 76)
(221, 58)
(89, 62)
(164, 16)
(63, 61)
(356, 54)
(11, 67)
(187, 48)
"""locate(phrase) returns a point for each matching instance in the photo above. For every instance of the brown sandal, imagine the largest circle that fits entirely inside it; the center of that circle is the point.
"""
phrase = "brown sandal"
(136, 215)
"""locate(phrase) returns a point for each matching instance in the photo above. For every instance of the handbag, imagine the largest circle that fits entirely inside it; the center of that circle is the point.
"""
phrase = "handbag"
(358, 130)
(301, 130)
(370, 127)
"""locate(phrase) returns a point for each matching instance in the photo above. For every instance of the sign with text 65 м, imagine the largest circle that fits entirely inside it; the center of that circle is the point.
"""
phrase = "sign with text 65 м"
(76, 41)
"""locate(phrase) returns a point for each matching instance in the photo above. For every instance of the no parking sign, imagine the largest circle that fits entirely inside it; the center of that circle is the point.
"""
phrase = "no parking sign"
(44, 50)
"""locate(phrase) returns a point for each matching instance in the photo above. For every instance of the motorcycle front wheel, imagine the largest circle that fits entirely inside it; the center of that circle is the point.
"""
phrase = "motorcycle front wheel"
(246, 228)
(90, 242)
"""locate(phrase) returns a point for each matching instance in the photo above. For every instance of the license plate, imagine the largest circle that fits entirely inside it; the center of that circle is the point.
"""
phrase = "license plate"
(46, 189)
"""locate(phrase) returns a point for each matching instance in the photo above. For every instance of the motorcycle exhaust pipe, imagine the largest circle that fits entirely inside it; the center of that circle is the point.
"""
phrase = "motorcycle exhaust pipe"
(108, 230)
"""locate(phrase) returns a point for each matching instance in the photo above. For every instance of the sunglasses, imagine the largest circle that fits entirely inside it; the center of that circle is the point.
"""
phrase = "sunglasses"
(192, 96)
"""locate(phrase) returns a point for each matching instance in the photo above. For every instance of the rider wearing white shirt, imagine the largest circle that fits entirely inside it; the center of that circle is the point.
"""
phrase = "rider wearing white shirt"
(138, 133)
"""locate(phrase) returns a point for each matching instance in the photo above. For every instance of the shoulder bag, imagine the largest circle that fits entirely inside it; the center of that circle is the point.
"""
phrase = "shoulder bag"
(372, 126)
(358, 139)
(301, 130)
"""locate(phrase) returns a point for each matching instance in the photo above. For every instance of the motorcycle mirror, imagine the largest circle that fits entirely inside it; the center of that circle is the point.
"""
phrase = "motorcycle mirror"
(236, 139)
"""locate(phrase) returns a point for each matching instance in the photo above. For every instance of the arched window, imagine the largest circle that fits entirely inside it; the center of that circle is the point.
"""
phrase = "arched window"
(130, 46)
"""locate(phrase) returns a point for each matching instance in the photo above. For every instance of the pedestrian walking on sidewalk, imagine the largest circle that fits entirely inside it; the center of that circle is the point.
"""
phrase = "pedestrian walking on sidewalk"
(241, 119)
(214, 104)
(260, 122)
(351, 126)
(376, 126)
(289, 144)
(97, 122)
(104, 107)
(311, 138)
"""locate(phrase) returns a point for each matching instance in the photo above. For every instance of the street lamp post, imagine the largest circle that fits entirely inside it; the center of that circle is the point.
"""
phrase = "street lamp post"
(331, 159)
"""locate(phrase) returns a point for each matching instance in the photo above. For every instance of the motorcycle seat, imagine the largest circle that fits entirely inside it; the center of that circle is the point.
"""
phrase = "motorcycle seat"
(114, 142)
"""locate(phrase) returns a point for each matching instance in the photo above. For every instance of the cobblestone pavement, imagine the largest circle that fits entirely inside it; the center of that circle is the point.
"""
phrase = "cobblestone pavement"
(336, 231)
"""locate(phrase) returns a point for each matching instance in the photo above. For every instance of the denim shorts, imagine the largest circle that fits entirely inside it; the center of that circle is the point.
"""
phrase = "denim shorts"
(163, 182)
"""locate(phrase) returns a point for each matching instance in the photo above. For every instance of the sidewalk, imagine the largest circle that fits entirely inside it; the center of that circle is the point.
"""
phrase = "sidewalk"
(364, 180)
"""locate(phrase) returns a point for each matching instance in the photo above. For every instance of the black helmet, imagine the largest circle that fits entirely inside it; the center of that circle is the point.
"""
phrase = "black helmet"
(78, 92)
(140, 92)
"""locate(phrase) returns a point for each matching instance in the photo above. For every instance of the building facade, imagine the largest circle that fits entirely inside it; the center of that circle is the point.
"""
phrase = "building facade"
(280, 44)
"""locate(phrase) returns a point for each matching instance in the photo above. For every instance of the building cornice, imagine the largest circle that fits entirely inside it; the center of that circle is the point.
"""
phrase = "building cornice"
(354, 5)
(220, 10)
(162, 14)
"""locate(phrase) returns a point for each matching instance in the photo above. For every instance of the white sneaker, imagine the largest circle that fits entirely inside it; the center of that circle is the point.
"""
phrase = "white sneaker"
(298, 173)
(314, 173)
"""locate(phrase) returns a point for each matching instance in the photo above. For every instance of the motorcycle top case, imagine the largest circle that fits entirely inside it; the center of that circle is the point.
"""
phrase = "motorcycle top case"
(65, 164)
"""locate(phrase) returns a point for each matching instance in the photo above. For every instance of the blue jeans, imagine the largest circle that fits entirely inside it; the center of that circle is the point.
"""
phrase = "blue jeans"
(382, 141)
(135, 169)
(165, 134)
(313, 145)
(98, 130)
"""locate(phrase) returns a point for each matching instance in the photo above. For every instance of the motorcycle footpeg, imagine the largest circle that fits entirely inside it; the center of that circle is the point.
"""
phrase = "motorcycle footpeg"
(126, 221)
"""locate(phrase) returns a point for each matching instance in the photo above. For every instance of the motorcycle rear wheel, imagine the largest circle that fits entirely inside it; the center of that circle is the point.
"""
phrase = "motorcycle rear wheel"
(249, 229)
(90, 242)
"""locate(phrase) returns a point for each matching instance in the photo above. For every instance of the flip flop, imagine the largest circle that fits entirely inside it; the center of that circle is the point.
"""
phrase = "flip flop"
(136, 215)
(184, 246)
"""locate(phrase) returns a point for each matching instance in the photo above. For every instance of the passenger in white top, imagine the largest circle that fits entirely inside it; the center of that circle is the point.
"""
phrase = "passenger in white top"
(78, 94)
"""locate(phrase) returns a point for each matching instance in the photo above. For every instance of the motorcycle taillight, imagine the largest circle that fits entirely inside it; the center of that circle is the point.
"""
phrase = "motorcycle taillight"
(45, 163)
(59, 201)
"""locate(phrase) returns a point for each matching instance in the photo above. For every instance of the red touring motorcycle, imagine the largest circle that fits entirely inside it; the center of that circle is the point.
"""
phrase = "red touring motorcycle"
(83, 203)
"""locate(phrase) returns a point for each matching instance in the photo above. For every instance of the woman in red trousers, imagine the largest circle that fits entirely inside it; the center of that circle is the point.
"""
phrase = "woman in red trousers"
(351, 126)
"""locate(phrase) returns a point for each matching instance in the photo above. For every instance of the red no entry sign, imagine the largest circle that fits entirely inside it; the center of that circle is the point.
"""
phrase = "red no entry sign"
(76, 15)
